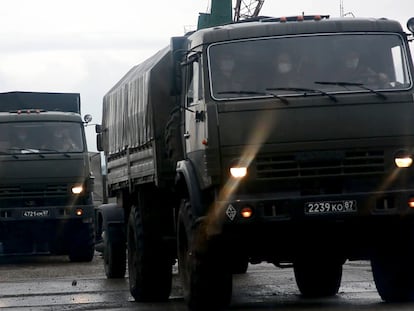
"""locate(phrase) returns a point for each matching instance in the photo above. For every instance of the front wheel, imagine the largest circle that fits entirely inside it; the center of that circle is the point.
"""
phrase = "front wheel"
(394, 278)
(318, 278)
(149, 265)
(206, 279)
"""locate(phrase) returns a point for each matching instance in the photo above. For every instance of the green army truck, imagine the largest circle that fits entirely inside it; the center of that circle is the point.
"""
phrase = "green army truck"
(280, 140)
(45, 181)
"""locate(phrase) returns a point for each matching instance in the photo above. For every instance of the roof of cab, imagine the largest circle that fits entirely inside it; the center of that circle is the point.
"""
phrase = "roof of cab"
(269, 27)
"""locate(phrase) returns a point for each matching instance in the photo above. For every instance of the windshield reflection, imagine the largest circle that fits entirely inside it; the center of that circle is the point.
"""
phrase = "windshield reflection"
(36, 137)
(344, 62)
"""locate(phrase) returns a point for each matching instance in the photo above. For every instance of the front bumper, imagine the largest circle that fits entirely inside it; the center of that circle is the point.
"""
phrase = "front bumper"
(267, 208)
(41, 213)
(281, 228)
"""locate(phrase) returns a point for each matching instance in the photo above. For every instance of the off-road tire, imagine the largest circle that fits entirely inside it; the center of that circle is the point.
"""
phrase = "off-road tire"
(114, 256)
(207, 284)
(82, 248)
(240, 266)
(392, 264)
(149, 266)
(318, 278)
(394, 278)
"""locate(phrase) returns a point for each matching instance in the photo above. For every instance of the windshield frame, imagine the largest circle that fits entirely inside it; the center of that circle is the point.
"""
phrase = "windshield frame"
(246, 94)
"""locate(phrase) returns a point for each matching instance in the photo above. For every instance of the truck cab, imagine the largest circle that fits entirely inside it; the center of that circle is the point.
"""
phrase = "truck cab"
(46, 185)
(299, 134)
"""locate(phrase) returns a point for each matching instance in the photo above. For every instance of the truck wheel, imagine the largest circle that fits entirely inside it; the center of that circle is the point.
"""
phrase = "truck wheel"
(206, 283)
(82, 247)
(393, 269)
(149, 266)
(318, 278)
(240, 266)
(114, 255)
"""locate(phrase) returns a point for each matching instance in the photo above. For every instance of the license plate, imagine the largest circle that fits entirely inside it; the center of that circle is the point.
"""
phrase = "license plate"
(37, 213)
(331, 207)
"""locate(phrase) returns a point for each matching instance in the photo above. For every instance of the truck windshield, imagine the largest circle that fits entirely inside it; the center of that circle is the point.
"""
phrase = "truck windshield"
(328, 62)
(41, 137)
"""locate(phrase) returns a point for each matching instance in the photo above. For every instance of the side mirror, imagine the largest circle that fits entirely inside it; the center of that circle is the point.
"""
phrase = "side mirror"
(98, 128)
(87, 118)
(410, 25)
(99, 142)
(177, 54)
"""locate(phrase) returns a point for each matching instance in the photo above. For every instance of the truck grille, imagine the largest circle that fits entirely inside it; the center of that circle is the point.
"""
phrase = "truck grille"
(33, 191)
(320, 164)
(32, 196)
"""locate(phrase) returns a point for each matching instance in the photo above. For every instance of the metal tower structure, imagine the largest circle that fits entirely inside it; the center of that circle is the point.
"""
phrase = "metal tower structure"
(247, 9)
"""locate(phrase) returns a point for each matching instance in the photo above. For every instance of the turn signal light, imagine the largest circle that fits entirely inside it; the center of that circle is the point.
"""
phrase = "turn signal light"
(411, 202)
(246, 212)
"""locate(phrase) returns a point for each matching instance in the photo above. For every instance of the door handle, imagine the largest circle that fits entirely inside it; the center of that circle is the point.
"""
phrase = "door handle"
(187, 135)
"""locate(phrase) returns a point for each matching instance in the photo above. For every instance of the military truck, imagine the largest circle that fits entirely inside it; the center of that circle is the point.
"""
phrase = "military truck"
(305, 170)
(45, 180)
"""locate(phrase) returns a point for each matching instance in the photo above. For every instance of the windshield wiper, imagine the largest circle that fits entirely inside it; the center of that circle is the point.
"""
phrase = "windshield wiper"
(24, 151)
(281, 98)
(54, 151)
(305, 91)
(345, 84)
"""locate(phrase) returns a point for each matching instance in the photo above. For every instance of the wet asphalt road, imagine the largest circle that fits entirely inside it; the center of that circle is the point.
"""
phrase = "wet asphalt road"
(54, 283)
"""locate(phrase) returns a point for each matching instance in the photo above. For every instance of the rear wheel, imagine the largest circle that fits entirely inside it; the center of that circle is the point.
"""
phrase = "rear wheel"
(114, 255)
(149, 264)
(207, 284)
(318, 278)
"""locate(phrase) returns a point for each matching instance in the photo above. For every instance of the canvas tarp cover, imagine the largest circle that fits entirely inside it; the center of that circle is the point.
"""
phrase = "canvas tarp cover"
(129, 107)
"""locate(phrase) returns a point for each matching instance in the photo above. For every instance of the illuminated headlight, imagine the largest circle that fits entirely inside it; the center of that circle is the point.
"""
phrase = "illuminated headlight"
(238, 172)
(77, 189)
(405, 161)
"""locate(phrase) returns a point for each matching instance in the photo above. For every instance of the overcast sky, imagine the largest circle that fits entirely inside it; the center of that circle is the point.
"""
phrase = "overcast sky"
(86, 46)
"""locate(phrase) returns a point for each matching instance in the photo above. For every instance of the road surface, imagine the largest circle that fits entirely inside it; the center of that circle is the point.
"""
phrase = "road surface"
(54, 283)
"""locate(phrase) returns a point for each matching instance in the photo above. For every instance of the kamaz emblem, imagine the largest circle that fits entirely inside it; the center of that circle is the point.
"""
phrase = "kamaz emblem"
(231, 212)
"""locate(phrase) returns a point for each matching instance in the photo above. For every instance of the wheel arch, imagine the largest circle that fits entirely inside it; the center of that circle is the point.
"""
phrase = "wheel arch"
(112, 220)
(188, 185)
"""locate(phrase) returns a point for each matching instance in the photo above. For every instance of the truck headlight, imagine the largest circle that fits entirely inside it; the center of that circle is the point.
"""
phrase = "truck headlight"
(78, 189)
(403, 161)
(238, 172)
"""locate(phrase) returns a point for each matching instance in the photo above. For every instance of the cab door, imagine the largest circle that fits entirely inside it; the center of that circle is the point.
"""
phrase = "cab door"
(195, 110)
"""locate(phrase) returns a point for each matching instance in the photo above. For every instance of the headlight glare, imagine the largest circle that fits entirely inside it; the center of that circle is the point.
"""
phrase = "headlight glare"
(78, 189)
(403, 162)
(238, 172)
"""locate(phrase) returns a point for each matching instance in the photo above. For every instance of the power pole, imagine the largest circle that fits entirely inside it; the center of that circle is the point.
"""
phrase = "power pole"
(247, 9)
